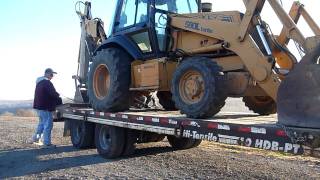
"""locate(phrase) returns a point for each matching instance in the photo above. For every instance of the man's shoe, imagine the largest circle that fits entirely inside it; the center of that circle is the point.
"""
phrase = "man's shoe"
(39, 143)
(32, 141)
(48, 146)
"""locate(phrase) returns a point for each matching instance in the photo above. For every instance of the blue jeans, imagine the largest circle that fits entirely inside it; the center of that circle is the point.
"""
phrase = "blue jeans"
(45, 126)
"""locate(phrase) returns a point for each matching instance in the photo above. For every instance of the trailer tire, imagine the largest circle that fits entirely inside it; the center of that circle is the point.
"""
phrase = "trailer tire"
(109, 80)
(110, 140)
(131, 140)
(82, 134)
(146, 137)
(196, 143)
(160, 138)
(180, 143)
(165, 100)
(263, 105)
(198, 87)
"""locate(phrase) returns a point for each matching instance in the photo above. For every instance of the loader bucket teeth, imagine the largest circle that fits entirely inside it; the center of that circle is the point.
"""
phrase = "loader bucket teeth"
(299, 94)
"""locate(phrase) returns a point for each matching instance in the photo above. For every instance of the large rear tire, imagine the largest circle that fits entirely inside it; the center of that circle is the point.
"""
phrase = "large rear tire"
(109, 80)
(82, 134)
(110, 141)
(262, 105)
(198, 87)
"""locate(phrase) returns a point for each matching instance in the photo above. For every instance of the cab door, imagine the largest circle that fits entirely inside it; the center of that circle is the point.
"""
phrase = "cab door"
(133, 22)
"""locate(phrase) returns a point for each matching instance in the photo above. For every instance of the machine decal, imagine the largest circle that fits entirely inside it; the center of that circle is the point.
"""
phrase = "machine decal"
(197, 26)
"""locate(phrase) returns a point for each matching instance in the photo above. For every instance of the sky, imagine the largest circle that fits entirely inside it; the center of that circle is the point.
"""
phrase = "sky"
(36, 34)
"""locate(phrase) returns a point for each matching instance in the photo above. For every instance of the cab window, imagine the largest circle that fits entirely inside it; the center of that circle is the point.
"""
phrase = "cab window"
(128, 12)
(133, 12)
(178, 6)
(143, 41)
(142, 11)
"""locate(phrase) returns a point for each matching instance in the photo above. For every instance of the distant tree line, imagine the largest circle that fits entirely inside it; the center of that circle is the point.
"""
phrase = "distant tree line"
(18, 112)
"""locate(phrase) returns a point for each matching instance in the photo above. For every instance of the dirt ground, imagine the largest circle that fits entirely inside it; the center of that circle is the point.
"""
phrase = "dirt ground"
(151, 161)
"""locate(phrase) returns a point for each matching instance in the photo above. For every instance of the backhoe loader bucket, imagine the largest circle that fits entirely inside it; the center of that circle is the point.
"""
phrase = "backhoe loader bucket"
(299, 94)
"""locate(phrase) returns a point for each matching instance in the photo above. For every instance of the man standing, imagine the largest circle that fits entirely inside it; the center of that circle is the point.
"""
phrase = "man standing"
(45, 101)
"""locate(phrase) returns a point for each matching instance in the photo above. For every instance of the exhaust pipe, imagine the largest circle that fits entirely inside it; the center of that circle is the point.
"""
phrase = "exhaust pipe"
(206, 7)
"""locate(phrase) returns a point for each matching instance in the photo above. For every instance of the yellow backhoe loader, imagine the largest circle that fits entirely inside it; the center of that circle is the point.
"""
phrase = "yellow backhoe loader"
(195, 59)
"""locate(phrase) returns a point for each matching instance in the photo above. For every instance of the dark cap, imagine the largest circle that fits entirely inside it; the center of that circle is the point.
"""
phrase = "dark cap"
(49, 71)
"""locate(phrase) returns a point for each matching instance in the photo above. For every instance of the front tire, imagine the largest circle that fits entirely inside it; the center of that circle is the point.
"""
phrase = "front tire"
(198, 87)
(109, 80)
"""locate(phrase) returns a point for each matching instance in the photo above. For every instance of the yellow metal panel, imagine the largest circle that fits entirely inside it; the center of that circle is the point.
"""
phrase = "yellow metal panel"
(153, 74)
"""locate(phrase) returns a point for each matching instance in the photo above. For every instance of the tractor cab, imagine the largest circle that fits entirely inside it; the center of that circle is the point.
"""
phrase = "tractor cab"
(142, 25)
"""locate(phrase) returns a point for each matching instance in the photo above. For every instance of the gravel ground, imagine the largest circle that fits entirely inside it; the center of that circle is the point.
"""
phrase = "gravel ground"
(151, 161)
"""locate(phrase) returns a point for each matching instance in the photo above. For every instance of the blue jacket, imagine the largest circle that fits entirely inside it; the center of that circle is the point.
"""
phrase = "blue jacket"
(45, 96)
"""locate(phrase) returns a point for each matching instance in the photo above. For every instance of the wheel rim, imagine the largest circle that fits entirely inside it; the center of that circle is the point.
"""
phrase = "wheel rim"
(191, 87)
(101, 81)
(77, 134)
(104, 138)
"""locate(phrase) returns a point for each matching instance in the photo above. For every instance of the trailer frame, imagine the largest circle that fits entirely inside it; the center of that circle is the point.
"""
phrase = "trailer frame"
(268, 135)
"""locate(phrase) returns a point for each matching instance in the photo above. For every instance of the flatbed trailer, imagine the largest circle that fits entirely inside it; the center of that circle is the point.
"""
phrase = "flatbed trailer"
(245, 129)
